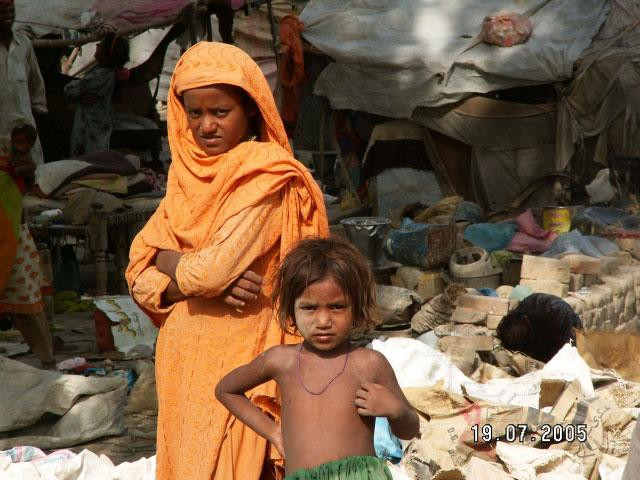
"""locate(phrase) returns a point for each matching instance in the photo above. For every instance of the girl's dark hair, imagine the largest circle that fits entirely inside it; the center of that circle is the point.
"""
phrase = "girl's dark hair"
(539, 326)
(312, 260)
(115, 49)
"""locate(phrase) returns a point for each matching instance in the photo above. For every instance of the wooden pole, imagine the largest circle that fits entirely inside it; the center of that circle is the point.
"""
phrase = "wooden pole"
(439, 168)
(275, 39)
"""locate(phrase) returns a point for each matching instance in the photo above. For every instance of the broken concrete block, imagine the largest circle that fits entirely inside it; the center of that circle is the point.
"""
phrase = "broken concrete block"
(582, 264)
(489, 305)
(589, 280)
(493, 321)
(468, 315)
(576, 282)
(476, 343)
(460, 330)
(577, 304)
(542, 268)
(609, 265)
(625, 257)
(630, 245)
(428, 284)
(551, 287)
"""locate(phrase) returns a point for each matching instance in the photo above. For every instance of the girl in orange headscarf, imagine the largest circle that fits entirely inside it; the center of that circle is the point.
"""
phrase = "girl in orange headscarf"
(236, 201)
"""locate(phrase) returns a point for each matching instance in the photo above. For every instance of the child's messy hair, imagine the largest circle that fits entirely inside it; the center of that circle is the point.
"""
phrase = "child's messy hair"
(312, 260)
(28, 131)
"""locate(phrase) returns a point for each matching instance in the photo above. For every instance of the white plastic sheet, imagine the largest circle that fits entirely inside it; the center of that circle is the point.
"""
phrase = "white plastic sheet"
(568, 365)
(418, 365)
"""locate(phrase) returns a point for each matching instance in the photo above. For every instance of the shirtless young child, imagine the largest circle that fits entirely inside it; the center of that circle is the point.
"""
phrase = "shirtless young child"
(330, 391)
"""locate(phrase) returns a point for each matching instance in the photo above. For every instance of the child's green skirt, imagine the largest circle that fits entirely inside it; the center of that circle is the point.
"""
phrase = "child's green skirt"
(349, 468)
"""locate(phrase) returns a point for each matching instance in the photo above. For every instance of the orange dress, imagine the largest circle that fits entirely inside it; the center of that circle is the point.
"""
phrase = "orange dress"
(238, 210)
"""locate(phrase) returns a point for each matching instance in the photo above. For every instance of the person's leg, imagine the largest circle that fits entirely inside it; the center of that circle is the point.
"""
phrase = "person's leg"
(35, 330)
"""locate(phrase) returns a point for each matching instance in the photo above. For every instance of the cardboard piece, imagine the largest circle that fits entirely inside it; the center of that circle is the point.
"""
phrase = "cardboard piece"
(130, 326)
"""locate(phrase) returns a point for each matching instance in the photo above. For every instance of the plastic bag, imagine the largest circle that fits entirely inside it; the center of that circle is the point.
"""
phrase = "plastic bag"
(506, 29)
(490, 236)
(386, 444)
(576, 243)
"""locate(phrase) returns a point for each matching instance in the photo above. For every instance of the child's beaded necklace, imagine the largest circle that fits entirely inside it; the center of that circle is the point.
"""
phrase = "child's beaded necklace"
(346, 359)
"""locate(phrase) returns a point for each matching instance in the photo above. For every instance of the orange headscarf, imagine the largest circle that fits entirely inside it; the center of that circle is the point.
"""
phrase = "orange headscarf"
(195, 205)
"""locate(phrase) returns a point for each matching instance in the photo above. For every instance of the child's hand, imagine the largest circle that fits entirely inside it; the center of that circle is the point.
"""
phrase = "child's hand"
(23, 164)
(375, 400)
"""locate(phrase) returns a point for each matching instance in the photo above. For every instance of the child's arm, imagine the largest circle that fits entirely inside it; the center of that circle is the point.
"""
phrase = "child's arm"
(230, 391)
(384, 398)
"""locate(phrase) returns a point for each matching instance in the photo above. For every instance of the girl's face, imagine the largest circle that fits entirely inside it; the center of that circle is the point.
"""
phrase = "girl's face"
(218, 117)
(323, 314)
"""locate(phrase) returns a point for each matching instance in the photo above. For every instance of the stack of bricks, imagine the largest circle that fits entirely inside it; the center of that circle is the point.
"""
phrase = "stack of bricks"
(483, 311)
(611, 299)
(545, 275)
(611, 304)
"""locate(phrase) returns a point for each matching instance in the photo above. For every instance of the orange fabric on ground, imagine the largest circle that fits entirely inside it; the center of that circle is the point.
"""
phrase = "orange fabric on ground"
(238, 210)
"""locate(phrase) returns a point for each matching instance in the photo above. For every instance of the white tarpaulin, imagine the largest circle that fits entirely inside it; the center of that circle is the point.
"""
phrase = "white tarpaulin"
(394, 55)
(50, 410)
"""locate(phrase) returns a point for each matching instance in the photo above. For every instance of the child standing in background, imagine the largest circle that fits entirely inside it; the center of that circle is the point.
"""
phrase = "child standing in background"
(330, 391)
(19, 165)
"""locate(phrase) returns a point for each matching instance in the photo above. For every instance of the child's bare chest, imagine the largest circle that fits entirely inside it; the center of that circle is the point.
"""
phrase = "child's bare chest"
(321, 397)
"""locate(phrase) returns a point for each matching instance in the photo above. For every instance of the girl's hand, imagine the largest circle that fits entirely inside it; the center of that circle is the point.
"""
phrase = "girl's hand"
(245, 289)
(375, 400)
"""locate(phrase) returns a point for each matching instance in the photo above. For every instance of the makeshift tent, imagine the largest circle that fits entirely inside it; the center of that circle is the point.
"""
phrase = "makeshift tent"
(423, 60)
(78, 16)
(392, 56)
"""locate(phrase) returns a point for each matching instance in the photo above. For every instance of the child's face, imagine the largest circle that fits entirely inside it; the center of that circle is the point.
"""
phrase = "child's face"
(323, 314)
(20, 143)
